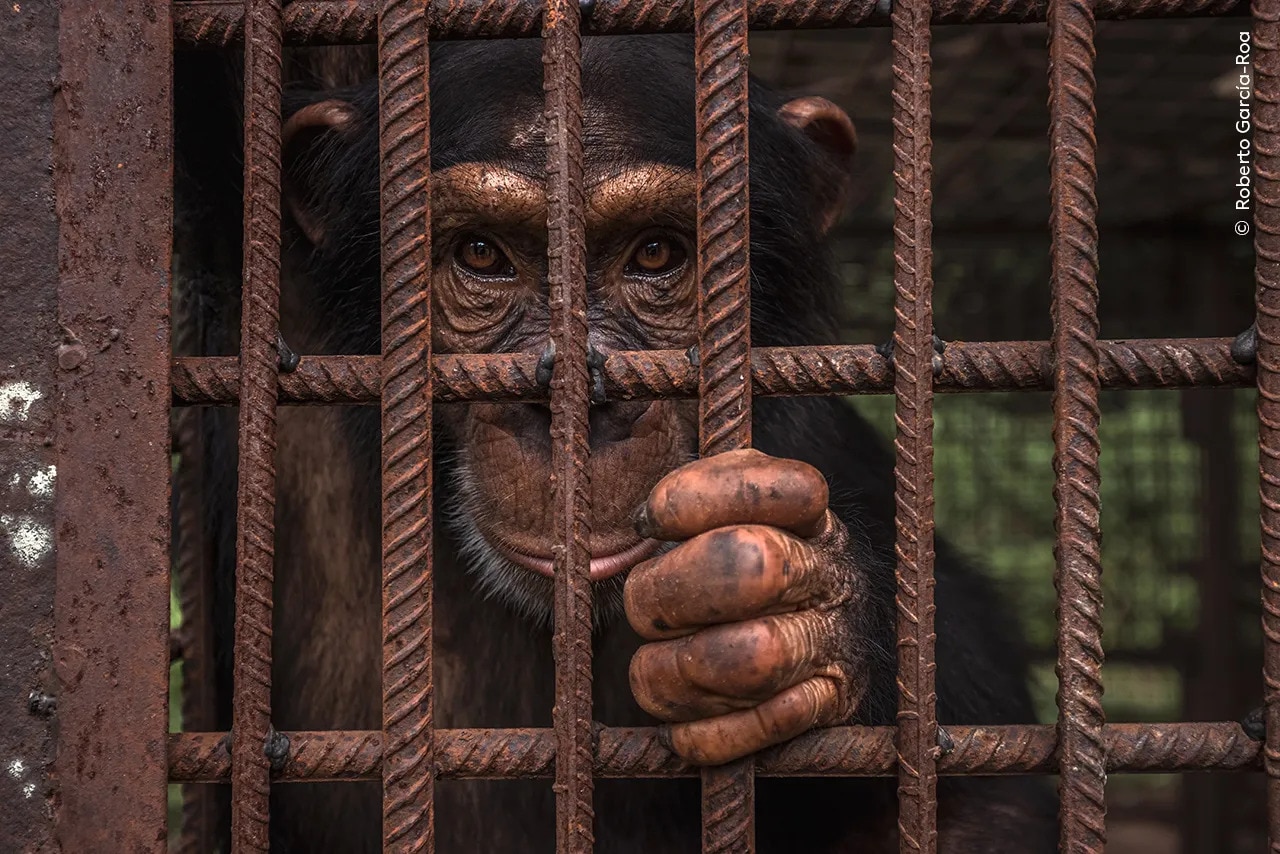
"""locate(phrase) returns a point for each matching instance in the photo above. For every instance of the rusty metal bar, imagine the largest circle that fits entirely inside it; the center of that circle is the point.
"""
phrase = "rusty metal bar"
(407, 780)
(1078, 569)
(511, 754)
(776, 371)
(724, 324)
(219, 23)
(255, 498)
(1266, 144)
(28, 365)
(570, 487)
(917, 733)
(112, 136)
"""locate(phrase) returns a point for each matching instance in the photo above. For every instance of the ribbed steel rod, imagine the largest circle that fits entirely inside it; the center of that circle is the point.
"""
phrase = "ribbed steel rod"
(775, 371)
(1073, 218)
(405, 169)
(255, 498)
(835, 752)
(724, 324)
(570, 479)
(219, 23)
(917, 734)
(1266, 145)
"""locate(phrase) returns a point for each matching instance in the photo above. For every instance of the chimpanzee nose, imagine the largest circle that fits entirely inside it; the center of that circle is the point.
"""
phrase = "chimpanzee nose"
(608, 421)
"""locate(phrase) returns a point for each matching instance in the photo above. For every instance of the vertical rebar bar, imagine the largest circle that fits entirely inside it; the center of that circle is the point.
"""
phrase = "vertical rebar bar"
(1266, 165)
(1078, 570)
(724, 323)
(570, 487)
(917, 735)
(404, 146)
(259, 376)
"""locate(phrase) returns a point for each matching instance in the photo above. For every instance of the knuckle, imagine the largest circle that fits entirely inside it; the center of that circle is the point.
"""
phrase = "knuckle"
(821, 701)
(832, 537)
(840, 691)
(837, 582)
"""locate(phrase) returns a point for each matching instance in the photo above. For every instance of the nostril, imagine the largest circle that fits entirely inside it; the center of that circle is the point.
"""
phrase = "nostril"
(614, 422)
(595, 369)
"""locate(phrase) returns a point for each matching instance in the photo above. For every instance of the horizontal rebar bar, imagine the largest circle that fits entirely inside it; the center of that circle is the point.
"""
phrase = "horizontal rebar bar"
(219, 23)
(638, 752)
(776, 371)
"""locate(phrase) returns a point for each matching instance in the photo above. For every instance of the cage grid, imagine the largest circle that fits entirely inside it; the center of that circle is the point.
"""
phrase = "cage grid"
(106, 729)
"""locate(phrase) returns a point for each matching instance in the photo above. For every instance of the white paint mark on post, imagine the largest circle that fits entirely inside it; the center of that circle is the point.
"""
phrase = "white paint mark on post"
(29, 538)
(16, 399)
(41, 483)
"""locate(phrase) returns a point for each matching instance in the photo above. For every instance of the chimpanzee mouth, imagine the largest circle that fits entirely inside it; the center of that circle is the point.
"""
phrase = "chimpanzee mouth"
(602, 566)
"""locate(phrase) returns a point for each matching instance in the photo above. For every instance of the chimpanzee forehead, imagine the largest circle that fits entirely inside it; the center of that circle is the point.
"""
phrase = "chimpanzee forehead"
(637, 103)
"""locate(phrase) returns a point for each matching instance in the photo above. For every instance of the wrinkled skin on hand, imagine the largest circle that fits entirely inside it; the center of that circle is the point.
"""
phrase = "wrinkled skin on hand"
(749, 621)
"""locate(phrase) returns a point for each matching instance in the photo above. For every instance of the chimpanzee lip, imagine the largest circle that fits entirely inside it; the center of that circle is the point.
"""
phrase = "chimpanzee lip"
(601, 567)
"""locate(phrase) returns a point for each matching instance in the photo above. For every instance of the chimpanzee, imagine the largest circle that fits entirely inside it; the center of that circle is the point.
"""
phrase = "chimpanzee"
(741, 599)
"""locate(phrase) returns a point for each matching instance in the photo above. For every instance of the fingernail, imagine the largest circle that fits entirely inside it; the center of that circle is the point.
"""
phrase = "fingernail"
(664, 738)
(643, 523)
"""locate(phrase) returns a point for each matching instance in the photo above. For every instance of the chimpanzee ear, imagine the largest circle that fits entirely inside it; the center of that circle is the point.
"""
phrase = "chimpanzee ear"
(300, 140)
(832, 130)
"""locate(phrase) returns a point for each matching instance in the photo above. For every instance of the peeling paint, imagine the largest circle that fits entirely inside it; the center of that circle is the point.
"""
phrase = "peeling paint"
(29, 538)
(41, 483)
(17, 768)
(16, 399)
(28, 790)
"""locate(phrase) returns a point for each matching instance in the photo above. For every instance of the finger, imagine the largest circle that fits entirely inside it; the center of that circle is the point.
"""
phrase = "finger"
(735, 488)
(733, 667)
(715, 741)
(724, 576)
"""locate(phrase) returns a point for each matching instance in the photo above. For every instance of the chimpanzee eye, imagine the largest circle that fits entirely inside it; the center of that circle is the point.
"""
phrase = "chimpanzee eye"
(481, 256)
(656, 255)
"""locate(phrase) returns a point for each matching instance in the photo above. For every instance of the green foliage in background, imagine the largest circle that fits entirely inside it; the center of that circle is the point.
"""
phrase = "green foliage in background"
(994, 499)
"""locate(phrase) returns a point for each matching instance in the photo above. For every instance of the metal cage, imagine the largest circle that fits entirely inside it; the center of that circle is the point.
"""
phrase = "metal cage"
(91, 384)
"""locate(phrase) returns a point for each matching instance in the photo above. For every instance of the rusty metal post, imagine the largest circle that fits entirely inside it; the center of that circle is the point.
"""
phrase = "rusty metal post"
(1266, 144)
(917, 736)
(408, 765)
(1078, 571)
(570, 487)
(259, 377)
(113, 142)
(724, 323)
(28, 361)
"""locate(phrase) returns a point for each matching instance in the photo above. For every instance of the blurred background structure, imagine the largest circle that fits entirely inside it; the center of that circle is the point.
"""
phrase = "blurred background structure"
(1180, 540)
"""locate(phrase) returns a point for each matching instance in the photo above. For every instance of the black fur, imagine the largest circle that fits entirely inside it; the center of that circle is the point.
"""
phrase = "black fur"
(639, 96)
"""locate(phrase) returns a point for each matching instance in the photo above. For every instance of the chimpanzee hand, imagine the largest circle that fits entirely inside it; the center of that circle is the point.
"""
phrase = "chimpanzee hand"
(751, 619)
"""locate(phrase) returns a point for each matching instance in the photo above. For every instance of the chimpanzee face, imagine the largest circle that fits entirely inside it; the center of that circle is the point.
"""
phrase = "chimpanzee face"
(490, 294)
(489, 272)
